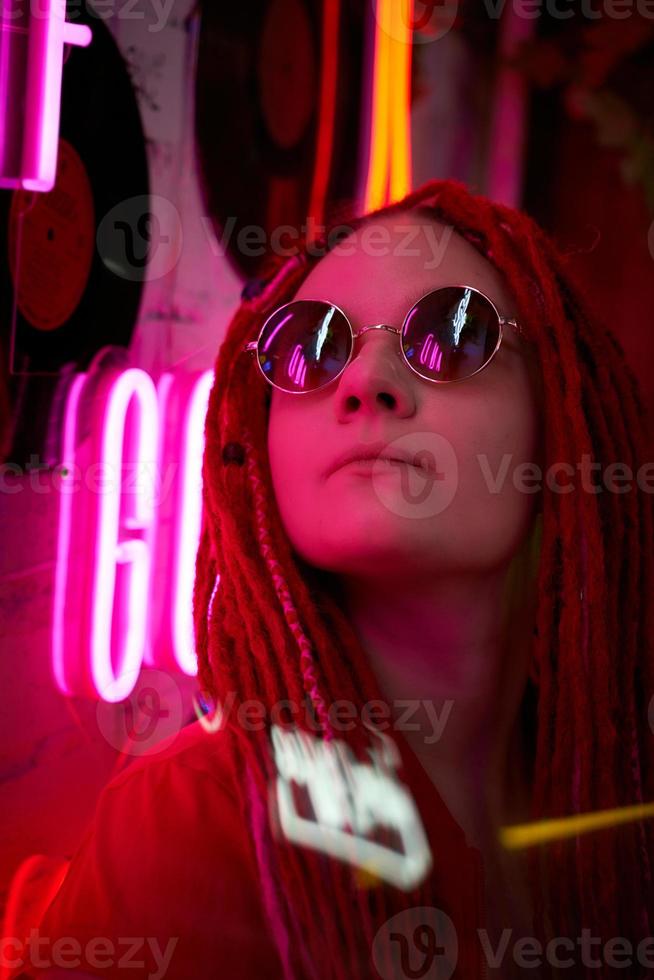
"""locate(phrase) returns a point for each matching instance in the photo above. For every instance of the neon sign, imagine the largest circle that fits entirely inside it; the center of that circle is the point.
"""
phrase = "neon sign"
(345, 793)
(388, 176)
(32, 55)
(129, 525)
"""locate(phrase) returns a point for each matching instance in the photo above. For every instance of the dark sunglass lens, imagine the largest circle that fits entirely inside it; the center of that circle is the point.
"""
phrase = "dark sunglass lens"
(304, 345)
(450, 334)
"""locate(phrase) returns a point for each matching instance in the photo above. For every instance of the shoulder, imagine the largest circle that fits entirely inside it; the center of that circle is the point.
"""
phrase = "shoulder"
(192, 753)
(186, 784)
(166, 813)
(169, 856)
(182, 792)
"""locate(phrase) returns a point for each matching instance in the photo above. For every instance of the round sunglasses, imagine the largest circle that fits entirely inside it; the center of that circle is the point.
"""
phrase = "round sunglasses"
(448, 335)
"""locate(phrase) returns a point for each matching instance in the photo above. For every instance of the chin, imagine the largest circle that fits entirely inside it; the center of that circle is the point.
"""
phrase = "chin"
(360, 559)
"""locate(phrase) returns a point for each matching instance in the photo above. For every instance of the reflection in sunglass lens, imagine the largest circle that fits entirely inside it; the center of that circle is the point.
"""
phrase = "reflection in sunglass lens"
(304, 345)
(450, 334)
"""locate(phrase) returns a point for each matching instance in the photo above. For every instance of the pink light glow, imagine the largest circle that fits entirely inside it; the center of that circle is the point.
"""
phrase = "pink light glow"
(188, 523)
(129, 527)
(112, 551)
(435, 353)
(31, 63)
(297, 367)
(60, 651)
(279, 326)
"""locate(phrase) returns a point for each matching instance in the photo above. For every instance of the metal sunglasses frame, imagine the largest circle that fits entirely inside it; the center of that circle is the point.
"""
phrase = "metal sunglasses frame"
(253, 345)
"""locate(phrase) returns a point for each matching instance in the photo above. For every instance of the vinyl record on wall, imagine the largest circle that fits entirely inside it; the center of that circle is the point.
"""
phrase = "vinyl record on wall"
(278, 97)
(64, 292)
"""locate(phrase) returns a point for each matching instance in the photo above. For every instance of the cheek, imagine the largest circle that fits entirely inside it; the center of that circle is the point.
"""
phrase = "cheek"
(498, 479)
(289, 452)
(282, 459)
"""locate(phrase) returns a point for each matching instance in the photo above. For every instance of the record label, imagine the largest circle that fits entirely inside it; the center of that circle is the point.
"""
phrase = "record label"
(56, 244)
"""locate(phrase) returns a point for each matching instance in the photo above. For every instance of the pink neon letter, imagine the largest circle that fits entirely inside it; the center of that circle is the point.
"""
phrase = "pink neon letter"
(119, 603)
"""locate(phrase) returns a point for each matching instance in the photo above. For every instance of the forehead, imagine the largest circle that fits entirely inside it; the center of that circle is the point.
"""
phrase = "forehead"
(379, 270)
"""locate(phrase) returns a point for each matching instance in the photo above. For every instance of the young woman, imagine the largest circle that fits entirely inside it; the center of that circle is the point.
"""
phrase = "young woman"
(422, 609)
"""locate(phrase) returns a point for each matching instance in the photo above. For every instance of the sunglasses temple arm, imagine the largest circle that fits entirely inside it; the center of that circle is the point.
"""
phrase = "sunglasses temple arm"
(514, 324)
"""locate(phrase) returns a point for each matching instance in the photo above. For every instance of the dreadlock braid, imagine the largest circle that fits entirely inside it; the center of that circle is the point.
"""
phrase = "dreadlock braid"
(274, 631)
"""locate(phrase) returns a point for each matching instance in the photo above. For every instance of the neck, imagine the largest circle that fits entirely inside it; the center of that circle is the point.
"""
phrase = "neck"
(454, 676)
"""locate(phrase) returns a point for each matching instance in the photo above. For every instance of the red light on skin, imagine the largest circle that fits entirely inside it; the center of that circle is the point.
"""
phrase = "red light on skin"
(129, 528)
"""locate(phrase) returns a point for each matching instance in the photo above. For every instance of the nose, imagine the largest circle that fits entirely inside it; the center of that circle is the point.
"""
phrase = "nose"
(376, 380)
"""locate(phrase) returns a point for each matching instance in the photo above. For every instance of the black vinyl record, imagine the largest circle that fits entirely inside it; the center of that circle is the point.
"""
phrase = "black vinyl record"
(66, 291)
(258, 114)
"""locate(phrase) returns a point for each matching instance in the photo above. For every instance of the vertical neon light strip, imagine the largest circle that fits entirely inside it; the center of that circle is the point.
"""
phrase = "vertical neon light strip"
(331, 12)
(400, 96)
(60, 651)
(506, 147)
(115, 685)
(157, 535)
(189, 523)
(47, 33)
(389, 168)
(375, 195)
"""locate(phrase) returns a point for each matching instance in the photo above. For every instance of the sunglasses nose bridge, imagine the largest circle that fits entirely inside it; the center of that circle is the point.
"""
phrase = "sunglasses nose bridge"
(387, 328)
(375, 326)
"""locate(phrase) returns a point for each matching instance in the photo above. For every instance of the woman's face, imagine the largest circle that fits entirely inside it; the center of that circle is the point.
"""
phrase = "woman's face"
(465, 514)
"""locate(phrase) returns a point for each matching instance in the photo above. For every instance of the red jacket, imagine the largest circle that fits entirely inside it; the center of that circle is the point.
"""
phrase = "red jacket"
(164, 882)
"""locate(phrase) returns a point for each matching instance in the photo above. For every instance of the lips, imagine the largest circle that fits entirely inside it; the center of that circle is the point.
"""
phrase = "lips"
(381, 450)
